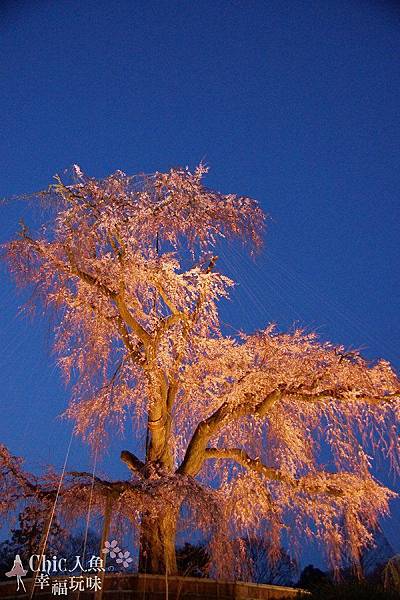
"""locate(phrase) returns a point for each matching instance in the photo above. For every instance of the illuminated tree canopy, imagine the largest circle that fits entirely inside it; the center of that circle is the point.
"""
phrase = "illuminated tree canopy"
(266, 432)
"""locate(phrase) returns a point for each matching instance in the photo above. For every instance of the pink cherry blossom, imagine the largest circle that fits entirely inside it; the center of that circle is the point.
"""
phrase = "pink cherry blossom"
(124, 558)
(112, 548)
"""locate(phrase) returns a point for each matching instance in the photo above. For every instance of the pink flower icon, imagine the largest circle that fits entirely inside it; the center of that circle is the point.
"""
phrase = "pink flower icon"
(124, 558)
(111, 548)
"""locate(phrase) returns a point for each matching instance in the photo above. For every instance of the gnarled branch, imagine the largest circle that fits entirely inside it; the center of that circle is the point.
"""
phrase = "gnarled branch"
(195, 453)
(241, 457)
(133, 462)
(255, 464)
(337, 395)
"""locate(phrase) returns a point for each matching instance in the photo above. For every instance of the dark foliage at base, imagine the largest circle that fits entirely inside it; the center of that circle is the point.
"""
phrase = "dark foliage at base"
(323, 587)
(192, 560)
(353, 591)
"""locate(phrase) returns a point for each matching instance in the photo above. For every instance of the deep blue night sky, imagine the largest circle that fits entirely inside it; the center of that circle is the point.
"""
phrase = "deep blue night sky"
(293, 103)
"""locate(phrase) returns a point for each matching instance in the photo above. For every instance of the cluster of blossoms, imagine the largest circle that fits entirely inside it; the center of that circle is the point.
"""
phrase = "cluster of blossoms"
(123, 557)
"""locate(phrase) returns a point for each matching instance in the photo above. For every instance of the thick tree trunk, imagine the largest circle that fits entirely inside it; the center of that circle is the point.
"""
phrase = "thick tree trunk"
(157, 542)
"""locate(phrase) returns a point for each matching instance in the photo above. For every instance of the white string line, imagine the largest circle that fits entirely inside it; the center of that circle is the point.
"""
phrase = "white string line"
(334, 305)
(54, 506)
(88, 515)
(259, 301)
(250, 283)
(89, 507)
(352, 319)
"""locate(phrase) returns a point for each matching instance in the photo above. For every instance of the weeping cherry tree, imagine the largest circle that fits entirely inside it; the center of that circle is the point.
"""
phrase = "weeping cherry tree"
(254, 434)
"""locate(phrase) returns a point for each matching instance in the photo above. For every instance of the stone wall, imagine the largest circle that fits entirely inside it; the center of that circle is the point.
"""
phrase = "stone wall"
(153, 587)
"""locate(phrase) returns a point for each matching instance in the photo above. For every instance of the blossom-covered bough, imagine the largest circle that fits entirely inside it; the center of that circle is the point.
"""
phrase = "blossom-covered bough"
(265, 433)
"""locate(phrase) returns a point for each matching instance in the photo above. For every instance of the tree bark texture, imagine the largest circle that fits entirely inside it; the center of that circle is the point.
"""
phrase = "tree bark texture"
(157, 542)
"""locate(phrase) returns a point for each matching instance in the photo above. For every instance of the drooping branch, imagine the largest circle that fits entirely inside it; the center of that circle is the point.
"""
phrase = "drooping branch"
(92, 281)
(107, 488)
(11, 466)
(242, 458)
(134, 351)
(165, 298)
(86, 277)
(255, 464)
(131, 321)
(118, 298)
(72, 267)
(188, 320)
(334, 394)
